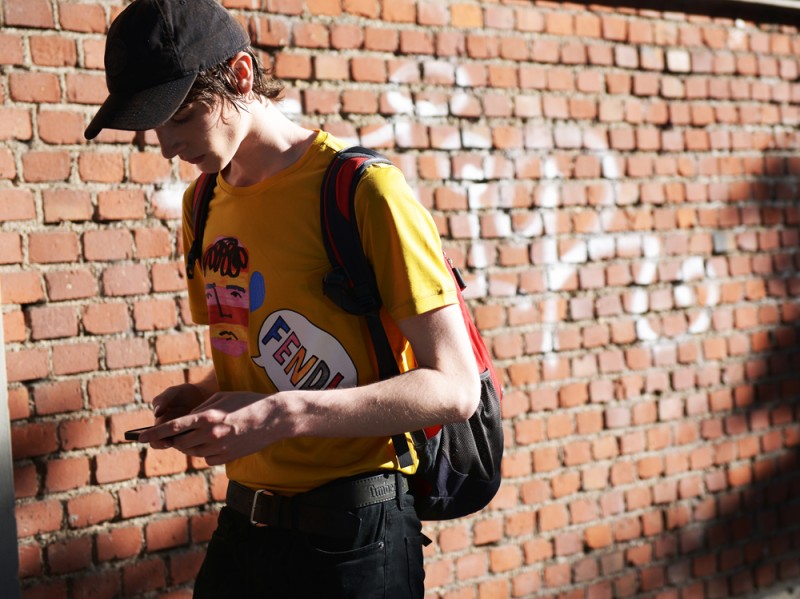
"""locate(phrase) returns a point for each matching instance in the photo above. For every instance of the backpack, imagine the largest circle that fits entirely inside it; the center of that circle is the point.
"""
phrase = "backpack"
(459, 463)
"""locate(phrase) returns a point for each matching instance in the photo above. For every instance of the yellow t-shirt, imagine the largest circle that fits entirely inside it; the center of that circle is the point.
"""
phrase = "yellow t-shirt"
(258, 285)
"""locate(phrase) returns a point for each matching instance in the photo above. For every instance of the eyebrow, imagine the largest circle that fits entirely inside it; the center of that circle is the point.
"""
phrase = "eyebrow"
(236, 287)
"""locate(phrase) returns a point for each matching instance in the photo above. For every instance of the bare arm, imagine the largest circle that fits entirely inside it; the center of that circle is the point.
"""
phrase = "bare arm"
(444, 388)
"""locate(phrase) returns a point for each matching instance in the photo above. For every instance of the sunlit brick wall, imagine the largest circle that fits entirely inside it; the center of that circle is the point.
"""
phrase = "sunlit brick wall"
(621, 186)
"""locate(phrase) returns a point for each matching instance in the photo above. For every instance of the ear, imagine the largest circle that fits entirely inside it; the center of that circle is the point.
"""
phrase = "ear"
(242, 66)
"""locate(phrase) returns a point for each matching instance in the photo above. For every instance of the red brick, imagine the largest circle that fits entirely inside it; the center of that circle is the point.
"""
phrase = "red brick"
(126, 353)
(34, 87)
(166, 533)
(184, 566)
(53, 51)
(11, 49)
(38, 517)
(487, 531)
(140, 500)
(53, 322)
(202, 526)
(107, 245)
(15, 123)
(18, 403)
(111, 391)
(42, 166)
(33, 439)
(467, 16)
(8, 167)
(103, 319)
(30, 560)
(320, 7)
(149, 167)
(168, 277)
(21, 287)
(83, 17)
(75, 358)
(311, 35)
(10, 248)
(67, 473)
(119, 543)
(34, 13)
(143, 576)
(185, 492)
(26, 481)
(70, 284)
(101, 585)
(90, 509)
(85, 432)
(381, 39)
(53, 246)
(159, 462)
(130, 279)
(368, 69)
(119, 465)
(152, 242)
(66, 204)
(121, 204)
(70, 556)
(60, 396)
(101, 167)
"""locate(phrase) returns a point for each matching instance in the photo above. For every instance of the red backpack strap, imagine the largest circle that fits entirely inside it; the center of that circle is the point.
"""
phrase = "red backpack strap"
(203, 192)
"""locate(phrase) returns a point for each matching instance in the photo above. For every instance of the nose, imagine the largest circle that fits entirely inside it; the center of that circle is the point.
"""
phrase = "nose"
(169, 145)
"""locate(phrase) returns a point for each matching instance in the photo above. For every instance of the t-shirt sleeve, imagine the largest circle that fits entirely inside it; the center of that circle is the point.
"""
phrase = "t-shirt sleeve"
(401, 242)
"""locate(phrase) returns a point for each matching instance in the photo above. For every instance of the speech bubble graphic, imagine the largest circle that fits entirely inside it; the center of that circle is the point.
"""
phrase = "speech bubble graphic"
(297, 354)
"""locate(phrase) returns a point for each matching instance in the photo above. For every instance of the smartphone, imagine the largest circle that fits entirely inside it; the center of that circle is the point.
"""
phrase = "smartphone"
(133, 434)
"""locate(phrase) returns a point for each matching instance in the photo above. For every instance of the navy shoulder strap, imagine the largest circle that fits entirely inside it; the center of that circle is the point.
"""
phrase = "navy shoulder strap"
(203, 192)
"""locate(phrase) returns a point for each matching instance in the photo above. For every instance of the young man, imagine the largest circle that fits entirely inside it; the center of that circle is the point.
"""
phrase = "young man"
(317, 504)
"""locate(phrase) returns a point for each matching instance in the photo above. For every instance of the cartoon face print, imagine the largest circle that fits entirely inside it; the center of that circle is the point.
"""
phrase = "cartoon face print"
(225, 268)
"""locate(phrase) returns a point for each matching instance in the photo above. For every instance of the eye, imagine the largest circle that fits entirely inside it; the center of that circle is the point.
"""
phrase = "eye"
(183, 114)
(236, 294)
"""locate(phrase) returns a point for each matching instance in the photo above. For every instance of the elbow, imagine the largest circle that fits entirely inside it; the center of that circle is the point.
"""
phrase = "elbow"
(467, 400)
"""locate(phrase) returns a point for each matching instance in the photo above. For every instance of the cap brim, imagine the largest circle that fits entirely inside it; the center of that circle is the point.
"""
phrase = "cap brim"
(142, 110)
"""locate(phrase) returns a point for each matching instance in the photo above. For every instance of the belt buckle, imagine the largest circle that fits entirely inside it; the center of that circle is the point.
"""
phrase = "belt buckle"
(253, 506)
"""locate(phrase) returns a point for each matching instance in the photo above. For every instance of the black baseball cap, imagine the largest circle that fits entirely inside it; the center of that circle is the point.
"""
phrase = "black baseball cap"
(154, 51)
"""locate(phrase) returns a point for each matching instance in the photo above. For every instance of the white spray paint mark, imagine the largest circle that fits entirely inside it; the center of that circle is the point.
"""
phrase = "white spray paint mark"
(380, 137)
(399, 103)
(169, 200)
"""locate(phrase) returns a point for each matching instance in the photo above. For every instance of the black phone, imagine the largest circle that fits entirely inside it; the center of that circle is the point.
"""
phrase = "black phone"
(133, 434)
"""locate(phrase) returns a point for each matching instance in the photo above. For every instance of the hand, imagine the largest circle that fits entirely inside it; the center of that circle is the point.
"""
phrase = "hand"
(175, 402)
(229, 425)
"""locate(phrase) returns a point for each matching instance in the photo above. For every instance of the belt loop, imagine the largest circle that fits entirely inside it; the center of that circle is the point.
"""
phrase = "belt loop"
(398, 485)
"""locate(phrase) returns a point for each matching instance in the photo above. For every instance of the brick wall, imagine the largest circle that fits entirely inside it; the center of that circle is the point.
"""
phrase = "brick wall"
(621, 186)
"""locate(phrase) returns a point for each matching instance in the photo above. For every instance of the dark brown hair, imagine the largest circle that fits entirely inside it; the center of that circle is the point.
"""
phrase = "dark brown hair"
(219, 83)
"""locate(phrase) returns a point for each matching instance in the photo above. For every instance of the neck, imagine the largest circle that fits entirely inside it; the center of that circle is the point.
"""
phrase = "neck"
(271, 143)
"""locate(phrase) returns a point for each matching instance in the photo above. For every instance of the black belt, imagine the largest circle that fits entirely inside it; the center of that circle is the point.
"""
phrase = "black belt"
(324, 510)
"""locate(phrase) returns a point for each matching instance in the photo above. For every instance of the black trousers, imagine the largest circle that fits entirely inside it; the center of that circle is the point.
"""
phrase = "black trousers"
(383, 561)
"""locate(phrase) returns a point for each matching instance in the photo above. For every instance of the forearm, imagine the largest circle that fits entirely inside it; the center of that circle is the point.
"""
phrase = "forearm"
(413, 400)
(228, 425)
